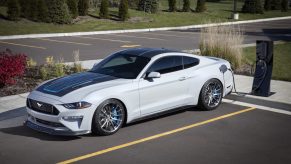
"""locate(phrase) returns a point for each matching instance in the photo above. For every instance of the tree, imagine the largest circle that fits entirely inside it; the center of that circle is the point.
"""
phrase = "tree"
(284, 5)
(73, 8)
(186, 5)
(104, 13)
(33, 11)
(276, 4)
(83, 7)
(123, 10)
(201, 6)
(58, 11)
(13, 10)
(149, 6)
(253, 7)
(42, 11)
(267, 5)
(172, 5)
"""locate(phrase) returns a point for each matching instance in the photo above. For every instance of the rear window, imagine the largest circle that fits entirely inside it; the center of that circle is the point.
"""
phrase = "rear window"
(189, 62)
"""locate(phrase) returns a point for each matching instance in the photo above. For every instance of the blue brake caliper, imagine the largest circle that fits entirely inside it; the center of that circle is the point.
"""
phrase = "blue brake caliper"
(114, 115)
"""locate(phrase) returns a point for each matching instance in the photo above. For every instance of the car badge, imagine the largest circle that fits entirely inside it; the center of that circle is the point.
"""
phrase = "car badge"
(39, 104)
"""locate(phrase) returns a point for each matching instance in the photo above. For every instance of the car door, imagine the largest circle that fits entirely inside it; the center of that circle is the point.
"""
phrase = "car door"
(166, 92)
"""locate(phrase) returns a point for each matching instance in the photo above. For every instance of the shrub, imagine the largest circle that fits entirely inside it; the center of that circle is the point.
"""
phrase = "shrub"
(58, 11)
(267, 5)
(149, 6)
(58, 70)
(223, 42)
(50, 60)
(11, 66)
(172, 5)
(253, 7)
(13, 10)
(186, 5)
(123, 10)
(44, 73)
(284, 5)
(31, 63)
(42, 11)
(73, 8)
(83, 7)
(104, 9)
(201, 6)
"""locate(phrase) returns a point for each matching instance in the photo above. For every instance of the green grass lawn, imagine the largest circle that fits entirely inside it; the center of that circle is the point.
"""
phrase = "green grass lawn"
(282, 59)
(216, 12)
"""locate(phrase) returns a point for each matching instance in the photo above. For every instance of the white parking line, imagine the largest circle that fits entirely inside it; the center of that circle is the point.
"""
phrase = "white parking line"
(130, 36)
(94, 38)
(257, 106)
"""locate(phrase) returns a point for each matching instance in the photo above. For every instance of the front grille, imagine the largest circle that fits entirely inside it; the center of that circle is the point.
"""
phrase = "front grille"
(42, 107)
(48, 123)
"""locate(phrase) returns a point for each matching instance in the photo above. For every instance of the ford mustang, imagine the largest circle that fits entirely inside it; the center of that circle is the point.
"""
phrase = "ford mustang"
(126, 86)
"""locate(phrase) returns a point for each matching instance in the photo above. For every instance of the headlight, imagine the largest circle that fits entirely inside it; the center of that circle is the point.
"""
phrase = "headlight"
(77, 105)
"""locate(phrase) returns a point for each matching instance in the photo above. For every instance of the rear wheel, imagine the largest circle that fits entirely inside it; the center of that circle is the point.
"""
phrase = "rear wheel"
(210, 95)
(108, 118)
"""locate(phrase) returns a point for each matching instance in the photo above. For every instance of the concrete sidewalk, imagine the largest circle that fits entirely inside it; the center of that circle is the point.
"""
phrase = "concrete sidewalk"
(281, 96)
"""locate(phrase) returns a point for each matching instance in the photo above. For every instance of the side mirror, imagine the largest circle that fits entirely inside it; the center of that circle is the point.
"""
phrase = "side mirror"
(152, 75)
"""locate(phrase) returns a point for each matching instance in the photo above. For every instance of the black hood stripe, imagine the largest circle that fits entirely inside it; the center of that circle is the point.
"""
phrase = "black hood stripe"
(67, 84)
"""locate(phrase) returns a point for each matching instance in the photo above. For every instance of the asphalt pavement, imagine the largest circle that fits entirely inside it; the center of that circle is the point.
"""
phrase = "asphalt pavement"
(94, 47)
(230, 134)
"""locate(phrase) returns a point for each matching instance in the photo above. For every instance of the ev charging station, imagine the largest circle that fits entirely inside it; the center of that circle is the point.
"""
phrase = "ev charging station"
(264, 67)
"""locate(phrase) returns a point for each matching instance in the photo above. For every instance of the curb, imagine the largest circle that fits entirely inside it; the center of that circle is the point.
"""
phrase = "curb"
(138, 30)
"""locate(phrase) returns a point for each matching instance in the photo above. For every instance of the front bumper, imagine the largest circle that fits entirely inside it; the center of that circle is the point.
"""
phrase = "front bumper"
(64, 122)
(53, 131)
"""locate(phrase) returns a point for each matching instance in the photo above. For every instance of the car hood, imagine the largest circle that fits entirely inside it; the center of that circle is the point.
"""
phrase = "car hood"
(75, 82)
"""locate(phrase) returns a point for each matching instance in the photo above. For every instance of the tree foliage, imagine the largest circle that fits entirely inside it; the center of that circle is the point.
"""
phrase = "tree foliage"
(253, 7)
(13, 10)
(149, 6)
(104, 13)
(73, 8)
(123, 10)
(58, 12)
(201, 6)
(83, 7)
(284, 5)
(267, 5)
(186, 5)
(172, 5)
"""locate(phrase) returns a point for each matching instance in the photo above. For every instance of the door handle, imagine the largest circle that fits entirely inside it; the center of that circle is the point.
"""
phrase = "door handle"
(182, 78)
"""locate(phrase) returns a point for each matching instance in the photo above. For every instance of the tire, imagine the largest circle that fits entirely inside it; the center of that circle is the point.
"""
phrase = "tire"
(211, 95)
(108, 118)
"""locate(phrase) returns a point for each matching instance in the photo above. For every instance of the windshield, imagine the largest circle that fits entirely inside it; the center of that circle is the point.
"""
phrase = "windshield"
(121, 65)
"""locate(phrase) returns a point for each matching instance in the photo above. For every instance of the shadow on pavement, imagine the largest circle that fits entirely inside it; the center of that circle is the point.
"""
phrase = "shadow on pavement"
(12, 114)
(26, 132)
(164, 114)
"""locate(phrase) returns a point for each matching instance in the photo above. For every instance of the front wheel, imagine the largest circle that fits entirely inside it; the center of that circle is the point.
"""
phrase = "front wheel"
(108, 118)
(210, 95)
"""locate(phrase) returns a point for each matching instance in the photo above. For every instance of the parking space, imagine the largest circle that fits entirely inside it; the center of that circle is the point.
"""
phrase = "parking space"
(230, 134)
(99, 46)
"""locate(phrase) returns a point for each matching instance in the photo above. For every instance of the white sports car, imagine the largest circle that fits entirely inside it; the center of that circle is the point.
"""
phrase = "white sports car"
(126, 86)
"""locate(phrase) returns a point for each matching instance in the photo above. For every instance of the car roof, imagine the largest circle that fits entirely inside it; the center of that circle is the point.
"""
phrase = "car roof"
(146, 52)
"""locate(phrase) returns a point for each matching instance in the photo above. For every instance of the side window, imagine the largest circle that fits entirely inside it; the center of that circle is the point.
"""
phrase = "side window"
(167, 65)
(190, 62)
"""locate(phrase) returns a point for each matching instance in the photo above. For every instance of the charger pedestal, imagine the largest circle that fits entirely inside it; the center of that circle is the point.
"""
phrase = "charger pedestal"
(264, 67)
